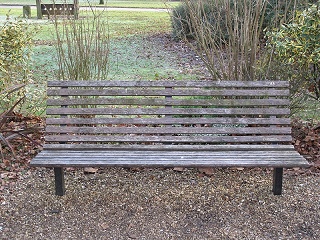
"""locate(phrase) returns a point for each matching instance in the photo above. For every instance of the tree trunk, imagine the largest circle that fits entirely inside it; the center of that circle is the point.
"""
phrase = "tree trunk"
(39, 14)
(76, 9)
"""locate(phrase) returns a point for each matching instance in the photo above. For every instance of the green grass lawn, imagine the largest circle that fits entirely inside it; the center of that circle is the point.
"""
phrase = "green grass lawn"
(129, 50)
(122, 26)
(131, 55)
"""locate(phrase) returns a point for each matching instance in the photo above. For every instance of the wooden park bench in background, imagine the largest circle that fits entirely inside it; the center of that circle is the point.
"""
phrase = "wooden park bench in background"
(168, 124)
(57, 9)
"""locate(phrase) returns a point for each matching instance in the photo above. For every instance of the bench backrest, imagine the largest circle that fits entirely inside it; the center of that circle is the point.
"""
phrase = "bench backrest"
(164, 114)
(58, 9)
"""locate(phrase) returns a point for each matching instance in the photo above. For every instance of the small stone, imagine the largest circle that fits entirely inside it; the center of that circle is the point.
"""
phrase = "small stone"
(178, 169)
(207, 171)
(55, 211)
(89, 170)
(132, 236)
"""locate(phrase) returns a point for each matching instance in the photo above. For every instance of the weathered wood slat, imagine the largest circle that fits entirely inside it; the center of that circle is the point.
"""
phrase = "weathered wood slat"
(169, 159)
(169, 111)
(170, 130)
(168, 155)
(166, 92)
(169, 139)
(188, 147)
(167, 102)
(170, 121)
(168, 83)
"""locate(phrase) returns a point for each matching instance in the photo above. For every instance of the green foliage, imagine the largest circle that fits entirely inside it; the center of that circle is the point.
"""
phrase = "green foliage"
(298, 44)
(15, 49)
(15, 42)
(281, 11)
(275, 13)
(183, 26)
(179, 21)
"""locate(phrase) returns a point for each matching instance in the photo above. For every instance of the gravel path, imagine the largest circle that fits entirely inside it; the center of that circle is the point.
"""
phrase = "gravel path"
(162, 204)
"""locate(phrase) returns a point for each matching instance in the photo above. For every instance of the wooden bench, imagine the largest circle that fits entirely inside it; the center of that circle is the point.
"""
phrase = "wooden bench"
(168, 124)
(56, 9)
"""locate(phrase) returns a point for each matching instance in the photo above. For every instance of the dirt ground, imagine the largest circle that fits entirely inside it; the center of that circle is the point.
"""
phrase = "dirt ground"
(159, 204)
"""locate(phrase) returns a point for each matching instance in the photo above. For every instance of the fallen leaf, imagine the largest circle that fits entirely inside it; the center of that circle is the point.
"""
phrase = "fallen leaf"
(90, 170)
(133, 235)
(6, 163)
(178, 169)
(104, 226)
(207, 171)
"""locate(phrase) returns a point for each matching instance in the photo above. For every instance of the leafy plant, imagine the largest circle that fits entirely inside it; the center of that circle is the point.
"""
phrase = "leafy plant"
(181, 19)
(282, 11)
(297, 44)
(15, 60)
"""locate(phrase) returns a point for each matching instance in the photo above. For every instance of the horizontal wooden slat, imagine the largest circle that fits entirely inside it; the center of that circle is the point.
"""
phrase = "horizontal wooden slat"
(169, 139)
(167, 102)
(169, 159)
(168, 83)
(170, 121)
(170, 130)
(165, 92)
(168, 111)
(170, 147)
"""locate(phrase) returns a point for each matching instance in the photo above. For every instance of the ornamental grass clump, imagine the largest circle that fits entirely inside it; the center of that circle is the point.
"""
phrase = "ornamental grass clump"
(82, 46)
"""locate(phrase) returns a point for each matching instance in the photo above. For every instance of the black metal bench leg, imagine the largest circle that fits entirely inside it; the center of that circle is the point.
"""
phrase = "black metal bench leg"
(277, 181)
(59, 181)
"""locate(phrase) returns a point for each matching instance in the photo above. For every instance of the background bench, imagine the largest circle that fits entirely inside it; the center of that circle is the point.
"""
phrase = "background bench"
(56, 9)
(168, 124)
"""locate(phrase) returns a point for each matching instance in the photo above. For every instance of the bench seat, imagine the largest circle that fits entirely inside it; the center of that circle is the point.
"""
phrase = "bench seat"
(169, 158)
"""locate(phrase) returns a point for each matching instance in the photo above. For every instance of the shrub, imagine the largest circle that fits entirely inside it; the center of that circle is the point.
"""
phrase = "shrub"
(298, 45)
(227, 39)
(214, 14)
(282, 11)
(276, 12)
(82, 46)
(15, 58)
